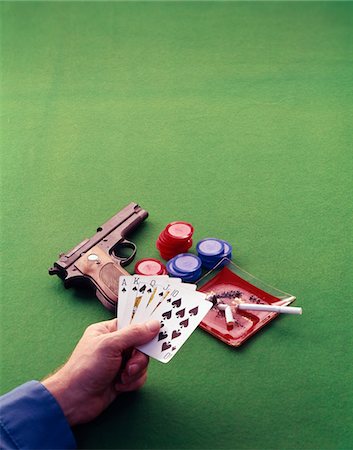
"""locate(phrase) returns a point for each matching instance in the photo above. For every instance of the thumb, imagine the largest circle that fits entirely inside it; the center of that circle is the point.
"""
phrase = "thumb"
(133, 335)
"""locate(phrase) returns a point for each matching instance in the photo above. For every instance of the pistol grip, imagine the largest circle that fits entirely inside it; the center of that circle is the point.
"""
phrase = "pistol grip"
(104, 273)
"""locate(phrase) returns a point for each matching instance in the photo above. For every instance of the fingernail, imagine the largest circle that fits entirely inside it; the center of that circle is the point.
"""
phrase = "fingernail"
(133, 369)
(153, 325)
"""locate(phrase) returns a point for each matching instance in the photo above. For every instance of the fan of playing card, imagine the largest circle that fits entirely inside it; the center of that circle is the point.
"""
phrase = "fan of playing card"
(177, 306)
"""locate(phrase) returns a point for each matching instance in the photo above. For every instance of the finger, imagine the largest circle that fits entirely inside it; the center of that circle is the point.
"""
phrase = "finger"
(132, 336)
(135, 365)
(137, 356)
(111, 325)
(106, 326)
(133, 385)
(131, 378)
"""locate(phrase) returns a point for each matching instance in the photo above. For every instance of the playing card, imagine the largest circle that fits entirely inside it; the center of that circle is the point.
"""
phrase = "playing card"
(156, 287)
(179, 313)
(156, 290)
(136, 287)
(149, 303)
(160, 294)
(124, 291)
(190, 286)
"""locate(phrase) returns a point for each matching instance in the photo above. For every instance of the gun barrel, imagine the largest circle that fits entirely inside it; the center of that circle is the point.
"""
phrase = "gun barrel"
(131, 210)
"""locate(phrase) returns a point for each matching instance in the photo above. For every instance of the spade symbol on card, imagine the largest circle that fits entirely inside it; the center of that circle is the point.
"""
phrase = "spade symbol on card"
(194, 311)
(184, 323)
(174, 348)
(134, 288)
(162, 324)
(161, 294)
(167, 315)
(142, 288)
(175, 334)
(180, 313)
(149, 290)
(123, 289)
(162, 335)
(177, 303)
(166, 345)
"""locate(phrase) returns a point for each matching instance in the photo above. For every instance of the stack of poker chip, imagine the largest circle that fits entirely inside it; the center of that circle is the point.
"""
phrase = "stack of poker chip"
(174, 239)
(150, 267)
(185, 266)
(211, 251)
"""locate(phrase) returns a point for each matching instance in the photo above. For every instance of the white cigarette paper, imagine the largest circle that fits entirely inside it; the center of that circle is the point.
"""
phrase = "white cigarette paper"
(227, 313)
(270, 308)
(222, 306)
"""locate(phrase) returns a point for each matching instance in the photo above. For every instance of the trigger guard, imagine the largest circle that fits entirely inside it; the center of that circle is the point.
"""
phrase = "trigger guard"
(122, 260)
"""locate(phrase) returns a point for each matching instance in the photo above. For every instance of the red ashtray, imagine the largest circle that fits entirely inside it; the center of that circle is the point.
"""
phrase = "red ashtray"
(232, 285)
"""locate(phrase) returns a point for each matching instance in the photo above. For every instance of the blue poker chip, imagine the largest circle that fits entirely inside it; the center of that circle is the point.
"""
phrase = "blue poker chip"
(210, 248)
(172, 271)
(210, 261)
(227, 249)
(193, 277)
(187, 263)
(185, 276)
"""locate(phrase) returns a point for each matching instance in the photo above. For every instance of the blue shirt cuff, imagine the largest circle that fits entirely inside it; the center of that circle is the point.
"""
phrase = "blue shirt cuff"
(31, 418)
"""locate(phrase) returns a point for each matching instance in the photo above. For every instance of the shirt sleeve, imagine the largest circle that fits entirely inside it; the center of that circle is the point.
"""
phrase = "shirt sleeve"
(31, 418)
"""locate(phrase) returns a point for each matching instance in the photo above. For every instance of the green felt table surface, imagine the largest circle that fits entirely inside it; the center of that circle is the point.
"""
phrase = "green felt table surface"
(234, 116)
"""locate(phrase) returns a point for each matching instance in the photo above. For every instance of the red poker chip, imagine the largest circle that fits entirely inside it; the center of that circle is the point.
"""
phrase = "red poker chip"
(176, 238)
(167, 255)
(169, 252)
(168, 246)
(164, 238)
(179, 231)
(150, 267)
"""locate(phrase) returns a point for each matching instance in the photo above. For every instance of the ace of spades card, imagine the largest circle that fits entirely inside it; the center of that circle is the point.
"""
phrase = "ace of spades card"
(124, 291)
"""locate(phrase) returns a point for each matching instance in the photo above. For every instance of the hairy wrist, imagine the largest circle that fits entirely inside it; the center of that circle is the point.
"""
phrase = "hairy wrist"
(58, 385)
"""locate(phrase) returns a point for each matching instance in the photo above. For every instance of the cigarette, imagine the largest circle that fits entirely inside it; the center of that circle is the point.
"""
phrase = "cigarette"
(227, 313)
(222, 306)
(270, 308)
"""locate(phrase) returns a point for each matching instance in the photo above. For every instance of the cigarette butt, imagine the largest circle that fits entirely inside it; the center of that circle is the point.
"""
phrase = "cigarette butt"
(227, 314)
(222, 306)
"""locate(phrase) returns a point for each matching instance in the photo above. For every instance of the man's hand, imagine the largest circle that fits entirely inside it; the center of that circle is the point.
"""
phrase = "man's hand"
(93, 376)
